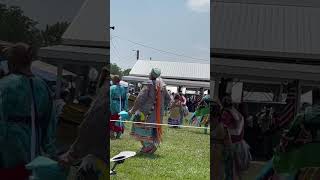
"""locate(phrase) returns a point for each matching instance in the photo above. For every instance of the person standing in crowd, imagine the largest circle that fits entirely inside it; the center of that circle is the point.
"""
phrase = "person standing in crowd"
(220, 141)
(118, 103)
(184, 106)
(167, 108)
(237, 154)
(91, 144)
(175, 109)
(296, 156)
(61, 102)
(149, 107)
(27, 115)
(102, 79)
(206, 111)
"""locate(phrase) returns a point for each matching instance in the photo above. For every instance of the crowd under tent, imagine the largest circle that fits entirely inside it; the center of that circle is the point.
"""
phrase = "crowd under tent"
(266, 45)
(85, 44)
(178, 74)
(47, 71)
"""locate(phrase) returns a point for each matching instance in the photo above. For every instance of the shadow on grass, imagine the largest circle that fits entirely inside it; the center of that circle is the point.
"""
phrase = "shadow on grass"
(147, 156)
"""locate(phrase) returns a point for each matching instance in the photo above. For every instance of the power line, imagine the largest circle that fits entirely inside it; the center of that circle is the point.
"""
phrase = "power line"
(160, 50)
(117, 52)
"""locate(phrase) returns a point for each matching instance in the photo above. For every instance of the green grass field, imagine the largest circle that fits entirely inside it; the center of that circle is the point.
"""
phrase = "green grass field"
(183, 154)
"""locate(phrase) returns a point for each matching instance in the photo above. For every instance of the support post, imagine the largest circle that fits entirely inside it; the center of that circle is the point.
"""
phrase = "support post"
(315, 95)
(59, 80)
(216, 88)
(298, 91)
(77, 88)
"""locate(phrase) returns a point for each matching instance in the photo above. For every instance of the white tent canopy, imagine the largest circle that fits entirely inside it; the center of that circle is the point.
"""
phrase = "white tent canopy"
(91, 26)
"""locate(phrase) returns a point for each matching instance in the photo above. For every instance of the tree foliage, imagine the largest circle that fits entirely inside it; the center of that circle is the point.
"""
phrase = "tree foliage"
(52, 35)
(126, 72)
(16, 27)
(116, 70)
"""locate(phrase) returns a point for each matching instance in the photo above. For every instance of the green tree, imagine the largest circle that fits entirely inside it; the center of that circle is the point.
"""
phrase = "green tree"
(52, 35)
(16, 27)
(126, 72)
(115, 69)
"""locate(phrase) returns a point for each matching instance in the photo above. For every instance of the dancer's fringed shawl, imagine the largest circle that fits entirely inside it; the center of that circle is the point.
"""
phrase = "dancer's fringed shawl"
(158, 113)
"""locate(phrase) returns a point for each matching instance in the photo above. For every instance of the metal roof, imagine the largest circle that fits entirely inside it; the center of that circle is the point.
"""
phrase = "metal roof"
(305, 3)
(91, 26)
(269, 71)
(173, 70)
(75, 54)
(172, 82)
(268, 28)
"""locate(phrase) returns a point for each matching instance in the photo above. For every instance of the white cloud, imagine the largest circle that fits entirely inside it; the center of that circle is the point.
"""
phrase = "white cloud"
(199, 5)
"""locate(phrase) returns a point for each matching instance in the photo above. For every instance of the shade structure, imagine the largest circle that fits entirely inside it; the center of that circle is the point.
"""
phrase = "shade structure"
(280, 31)
(172, 82)
(264, 71)
(85, 43)
(173, 70)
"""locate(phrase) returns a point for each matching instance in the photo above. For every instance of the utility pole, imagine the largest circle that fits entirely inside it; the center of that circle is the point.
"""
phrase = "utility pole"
(138, 53)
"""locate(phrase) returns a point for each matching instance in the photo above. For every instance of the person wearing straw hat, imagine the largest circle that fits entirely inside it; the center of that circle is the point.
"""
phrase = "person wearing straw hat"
(27, 115)
(118, 103)
(149, 107)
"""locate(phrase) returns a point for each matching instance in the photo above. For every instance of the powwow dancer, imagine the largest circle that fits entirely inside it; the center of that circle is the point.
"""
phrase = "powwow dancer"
(295, 157)
(194, 119)
(202, 114)
(237, 154)
(175, 109)
(118, 103)
(27, 115)
(205, 111)
(149, 107)
(220, 139)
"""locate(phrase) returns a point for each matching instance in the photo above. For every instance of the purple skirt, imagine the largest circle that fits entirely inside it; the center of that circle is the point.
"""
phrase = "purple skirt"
(172, 121)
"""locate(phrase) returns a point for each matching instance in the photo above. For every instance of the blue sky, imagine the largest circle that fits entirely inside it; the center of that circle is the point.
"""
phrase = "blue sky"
(178, 26)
